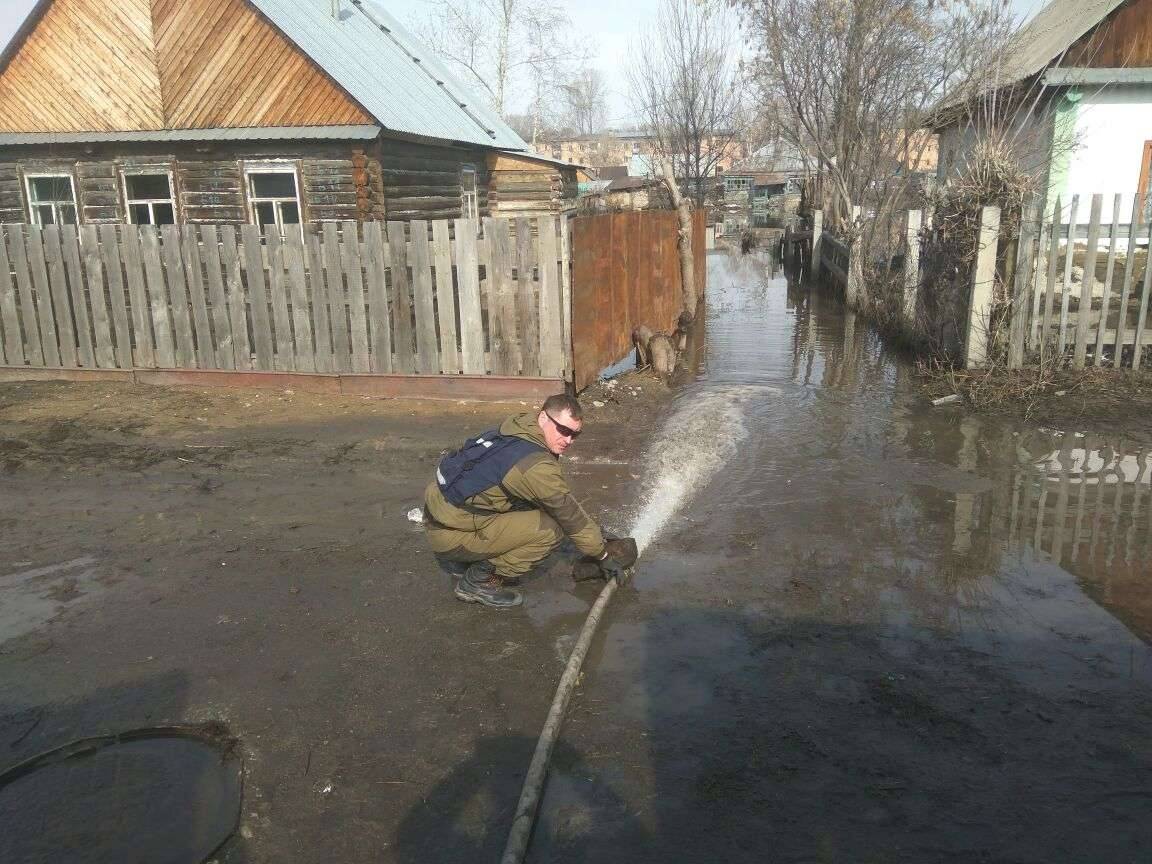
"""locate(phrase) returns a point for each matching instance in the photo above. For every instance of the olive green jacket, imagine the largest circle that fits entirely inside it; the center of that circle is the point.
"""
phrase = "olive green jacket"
(536, 480)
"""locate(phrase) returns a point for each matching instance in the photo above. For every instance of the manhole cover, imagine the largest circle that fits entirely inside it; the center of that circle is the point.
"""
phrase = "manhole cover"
(162, 796)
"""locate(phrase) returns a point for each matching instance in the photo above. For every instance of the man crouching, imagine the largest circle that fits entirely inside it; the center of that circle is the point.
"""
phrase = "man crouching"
(500, 504)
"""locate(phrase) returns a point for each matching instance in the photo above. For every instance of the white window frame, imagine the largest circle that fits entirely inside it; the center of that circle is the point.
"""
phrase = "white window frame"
(470, 201)
(145, 171)
(33, 207)
(274, 167)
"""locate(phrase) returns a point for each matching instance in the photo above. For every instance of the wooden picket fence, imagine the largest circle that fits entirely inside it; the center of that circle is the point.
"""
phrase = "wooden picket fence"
(476, 297)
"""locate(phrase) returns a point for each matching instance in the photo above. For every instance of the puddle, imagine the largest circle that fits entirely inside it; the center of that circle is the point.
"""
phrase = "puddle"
(864, 611)
(164, 796)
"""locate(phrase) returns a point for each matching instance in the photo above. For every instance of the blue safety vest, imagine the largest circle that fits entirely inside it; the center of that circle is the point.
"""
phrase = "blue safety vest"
(481, 464)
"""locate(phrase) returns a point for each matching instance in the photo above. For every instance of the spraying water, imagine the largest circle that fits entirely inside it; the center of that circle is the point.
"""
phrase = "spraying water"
(696, 441)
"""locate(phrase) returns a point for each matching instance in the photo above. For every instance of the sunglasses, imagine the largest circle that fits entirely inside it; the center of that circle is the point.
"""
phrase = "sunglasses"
(562, 429)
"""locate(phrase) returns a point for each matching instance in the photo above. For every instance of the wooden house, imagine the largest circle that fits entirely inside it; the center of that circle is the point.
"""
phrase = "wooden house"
(528, 183)
(1075, 91)
(273, 112)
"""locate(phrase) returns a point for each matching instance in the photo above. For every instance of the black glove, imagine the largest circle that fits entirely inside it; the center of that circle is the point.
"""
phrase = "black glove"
(613, 569)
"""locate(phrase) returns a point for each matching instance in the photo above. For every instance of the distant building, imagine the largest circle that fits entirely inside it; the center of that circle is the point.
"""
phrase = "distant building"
(764, 190)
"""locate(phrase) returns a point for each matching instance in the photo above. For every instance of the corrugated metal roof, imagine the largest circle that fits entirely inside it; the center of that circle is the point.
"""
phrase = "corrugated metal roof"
(263, 133)
(1053, 31)
(397, 80)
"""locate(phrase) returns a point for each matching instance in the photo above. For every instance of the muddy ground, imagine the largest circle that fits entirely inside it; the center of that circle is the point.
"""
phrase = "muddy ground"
(190, 555)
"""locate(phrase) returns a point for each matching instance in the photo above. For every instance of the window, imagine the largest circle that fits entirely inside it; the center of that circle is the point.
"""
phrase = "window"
(468, 205)
(51, 199)
(737, 184)
(148, 198)
(274, 196)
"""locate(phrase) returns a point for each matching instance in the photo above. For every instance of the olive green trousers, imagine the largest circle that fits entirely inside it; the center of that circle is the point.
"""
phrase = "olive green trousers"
(513, 542)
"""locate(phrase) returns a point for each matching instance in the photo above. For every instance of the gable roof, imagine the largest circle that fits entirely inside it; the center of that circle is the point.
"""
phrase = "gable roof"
(384, 68)
(369, 55)
(1053, 30)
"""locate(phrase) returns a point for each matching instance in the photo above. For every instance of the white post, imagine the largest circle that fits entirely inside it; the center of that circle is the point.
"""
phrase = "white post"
(980, 298)
(817, 230)
(855, 262)
(912, 267)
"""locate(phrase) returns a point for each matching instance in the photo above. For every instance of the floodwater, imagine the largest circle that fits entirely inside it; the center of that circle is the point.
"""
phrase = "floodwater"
(864, 629)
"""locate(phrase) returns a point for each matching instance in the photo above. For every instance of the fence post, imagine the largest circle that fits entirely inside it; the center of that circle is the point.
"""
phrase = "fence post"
(980, 298)
(1031, 211)
(817, 230)
(912, 267)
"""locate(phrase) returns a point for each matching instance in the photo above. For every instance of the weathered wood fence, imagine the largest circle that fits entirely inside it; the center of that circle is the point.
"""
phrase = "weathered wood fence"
(470, 297)
(1056, 289)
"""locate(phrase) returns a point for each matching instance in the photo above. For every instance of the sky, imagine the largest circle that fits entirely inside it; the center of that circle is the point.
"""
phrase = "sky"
(609, 25)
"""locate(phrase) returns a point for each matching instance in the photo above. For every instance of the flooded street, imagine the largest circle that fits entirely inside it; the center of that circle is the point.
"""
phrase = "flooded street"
(877, 631)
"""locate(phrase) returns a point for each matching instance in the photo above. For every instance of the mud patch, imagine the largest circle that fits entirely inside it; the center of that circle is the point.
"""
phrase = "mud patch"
(169, 794)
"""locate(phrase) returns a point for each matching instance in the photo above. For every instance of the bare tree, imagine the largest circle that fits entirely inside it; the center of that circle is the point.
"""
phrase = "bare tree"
(685, 89)
(850, 84)
(517, 51)
(586, 98)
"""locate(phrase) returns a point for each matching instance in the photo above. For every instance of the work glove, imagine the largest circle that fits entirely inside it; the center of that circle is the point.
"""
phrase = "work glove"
(613, 569)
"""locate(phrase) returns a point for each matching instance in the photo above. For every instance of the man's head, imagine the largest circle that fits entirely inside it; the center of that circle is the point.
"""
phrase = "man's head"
(560, 419)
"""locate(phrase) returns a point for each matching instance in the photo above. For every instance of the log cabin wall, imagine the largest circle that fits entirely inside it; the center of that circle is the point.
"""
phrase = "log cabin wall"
(423, 181)
(337, 181)
(519, 186)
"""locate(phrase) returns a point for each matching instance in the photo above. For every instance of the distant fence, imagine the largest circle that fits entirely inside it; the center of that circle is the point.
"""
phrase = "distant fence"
(1055, 289)
(470, 297)
(626, 272)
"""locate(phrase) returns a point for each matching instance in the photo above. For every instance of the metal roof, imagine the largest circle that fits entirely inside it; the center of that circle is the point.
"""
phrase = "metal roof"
(262, 133)
(1053, 30)
(397, 80)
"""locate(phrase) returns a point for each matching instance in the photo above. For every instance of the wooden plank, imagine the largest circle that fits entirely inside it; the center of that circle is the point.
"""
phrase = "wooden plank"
(137, 297)
(527, 304)
(111, 256)
(236, 297)
(93, 267)
(337, 299)
(551, 329)
(1038, 276)
(566, 292)
(424, 300)
(403, 346)
(1084, 318)
(221, 323)
(9, 313)
(1142, 318)
(468, 289)
(984, 276)
(43, 291)
(284, 354)
(502, 314)
(194, 267)
(178, 294)
(379, 321)
(252, 254)
(18, 256)
(445, 296)
(297, 289)
(321, 320)
(1129, 276)
(1031, 213)
(1106, 297)
(1066, 288)
(58, 280)
(1050, 276)
(158, 297)
(357, 316)
(70, 238)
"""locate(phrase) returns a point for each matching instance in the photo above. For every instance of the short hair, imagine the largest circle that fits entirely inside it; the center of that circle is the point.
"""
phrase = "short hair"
(562, 402)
